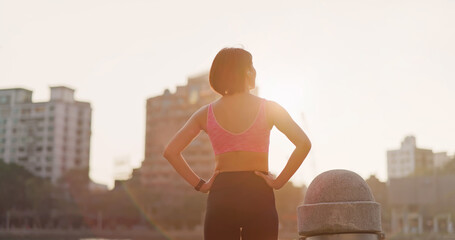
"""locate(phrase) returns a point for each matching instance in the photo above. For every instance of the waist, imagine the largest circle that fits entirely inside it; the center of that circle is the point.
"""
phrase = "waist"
(245, 172)
(242, 161)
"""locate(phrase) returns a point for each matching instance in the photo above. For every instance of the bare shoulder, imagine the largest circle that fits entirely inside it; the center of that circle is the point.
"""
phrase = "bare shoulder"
(273, 106)
(201, 112)
(274, 109)
(200, 116)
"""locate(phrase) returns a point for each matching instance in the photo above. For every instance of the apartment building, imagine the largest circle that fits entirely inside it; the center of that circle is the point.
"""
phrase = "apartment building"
(408, 159)
(47, 138)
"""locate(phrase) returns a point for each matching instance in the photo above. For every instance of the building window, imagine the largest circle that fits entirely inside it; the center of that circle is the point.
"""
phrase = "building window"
(39, 109)
(4, 99)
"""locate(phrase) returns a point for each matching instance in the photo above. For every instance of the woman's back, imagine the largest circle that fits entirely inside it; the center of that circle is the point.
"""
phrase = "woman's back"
(239, 127)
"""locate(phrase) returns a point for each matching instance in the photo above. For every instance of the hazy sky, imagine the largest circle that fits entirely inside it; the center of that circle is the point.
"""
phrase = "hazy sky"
(358, 76)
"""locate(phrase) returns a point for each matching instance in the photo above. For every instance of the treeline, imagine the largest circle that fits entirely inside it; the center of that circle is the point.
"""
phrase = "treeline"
(27, 201)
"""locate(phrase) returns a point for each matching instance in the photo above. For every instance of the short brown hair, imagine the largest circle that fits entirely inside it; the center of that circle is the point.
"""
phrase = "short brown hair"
(228, 71)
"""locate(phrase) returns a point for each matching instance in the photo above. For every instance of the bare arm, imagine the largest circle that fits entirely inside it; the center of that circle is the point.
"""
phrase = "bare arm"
(173, 151)
(284, 122)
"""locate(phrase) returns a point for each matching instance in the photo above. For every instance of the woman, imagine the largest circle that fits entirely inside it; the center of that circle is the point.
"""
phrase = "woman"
(241, 199)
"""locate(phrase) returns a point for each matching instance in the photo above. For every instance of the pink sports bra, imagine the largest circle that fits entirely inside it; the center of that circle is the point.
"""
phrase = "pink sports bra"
(253, 139)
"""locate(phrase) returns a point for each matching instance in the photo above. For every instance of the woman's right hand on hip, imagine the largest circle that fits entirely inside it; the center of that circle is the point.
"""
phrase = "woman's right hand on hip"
(205, 188)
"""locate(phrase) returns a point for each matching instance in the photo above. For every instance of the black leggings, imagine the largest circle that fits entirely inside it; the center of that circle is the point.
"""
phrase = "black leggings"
(240, 204)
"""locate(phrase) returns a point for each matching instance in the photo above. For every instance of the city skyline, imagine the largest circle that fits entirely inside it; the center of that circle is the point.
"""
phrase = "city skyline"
(357, 76)
(409, 140)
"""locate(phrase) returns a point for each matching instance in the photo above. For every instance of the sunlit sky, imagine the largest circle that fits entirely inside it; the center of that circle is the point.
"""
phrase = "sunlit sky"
(358, 76)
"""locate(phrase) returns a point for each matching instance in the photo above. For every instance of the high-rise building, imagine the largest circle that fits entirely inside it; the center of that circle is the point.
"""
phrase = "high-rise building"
(47, 138)
(408, 159)
(166, 114)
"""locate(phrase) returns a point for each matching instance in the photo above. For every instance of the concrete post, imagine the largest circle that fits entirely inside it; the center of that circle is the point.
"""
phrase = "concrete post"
(339, 205)
(7, 220)
(420, 224)
(99, 220)
(435, 224)
(406, 222)
(397, 220)
(449, 224)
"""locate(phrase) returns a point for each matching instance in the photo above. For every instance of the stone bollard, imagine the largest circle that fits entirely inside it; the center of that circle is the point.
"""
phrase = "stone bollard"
(338, 205)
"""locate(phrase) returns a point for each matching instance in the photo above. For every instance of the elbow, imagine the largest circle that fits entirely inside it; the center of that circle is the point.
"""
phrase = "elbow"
(167, 153)
(171, 152)
(304, 144)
